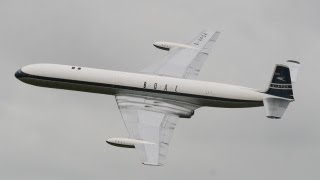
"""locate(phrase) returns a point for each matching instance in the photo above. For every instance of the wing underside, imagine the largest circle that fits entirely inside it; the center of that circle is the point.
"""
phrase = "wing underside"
(151, 121)
(153, 127)
(185, 62)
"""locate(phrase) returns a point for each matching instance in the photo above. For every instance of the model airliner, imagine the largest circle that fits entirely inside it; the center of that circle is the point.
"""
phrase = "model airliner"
(152, 101)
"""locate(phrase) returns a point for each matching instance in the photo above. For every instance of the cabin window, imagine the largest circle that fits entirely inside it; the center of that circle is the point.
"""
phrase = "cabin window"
(73, 67)
(79, 68)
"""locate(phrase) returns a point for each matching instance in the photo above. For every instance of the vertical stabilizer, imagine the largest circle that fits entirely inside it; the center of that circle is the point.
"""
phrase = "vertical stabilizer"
(280, 89)
(281, 85)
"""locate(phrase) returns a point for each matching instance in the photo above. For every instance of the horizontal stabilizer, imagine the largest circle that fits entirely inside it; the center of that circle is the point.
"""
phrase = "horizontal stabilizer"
(294, 68)
(275, 107)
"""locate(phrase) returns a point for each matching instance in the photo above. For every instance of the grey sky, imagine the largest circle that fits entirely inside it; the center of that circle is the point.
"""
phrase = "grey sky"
(56, 134)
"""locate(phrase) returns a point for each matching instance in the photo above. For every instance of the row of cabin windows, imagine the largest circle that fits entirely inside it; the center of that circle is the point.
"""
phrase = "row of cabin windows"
(79, 68)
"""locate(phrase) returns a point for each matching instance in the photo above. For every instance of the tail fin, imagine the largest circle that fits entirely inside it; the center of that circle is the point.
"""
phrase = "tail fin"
(281, 84)
(281, 89)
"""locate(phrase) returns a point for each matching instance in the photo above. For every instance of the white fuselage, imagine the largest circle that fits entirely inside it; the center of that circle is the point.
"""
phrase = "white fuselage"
(198, 93)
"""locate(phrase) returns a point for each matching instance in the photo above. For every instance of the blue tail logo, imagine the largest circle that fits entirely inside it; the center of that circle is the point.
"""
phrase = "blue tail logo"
(281, 85)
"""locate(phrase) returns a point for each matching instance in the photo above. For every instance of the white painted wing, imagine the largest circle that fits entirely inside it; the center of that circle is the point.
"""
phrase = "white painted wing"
(151, 123)
(185, 62)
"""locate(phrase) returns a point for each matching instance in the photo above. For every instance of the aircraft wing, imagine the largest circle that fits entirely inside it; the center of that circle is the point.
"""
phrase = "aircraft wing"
(150, 121)
(184, 62)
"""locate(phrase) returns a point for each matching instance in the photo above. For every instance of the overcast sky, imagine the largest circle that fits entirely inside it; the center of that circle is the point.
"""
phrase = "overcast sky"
(57, 134)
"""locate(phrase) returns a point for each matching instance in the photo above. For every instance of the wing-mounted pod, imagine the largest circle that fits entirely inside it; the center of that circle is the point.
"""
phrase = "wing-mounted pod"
(170, 45)
(126, 142)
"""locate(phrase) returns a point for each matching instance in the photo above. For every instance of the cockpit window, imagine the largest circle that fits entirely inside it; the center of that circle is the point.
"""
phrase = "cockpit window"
(73, 67)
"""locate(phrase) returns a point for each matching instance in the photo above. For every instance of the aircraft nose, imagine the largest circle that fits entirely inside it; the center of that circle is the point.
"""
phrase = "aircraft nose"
(19, 74)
